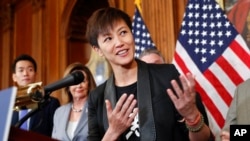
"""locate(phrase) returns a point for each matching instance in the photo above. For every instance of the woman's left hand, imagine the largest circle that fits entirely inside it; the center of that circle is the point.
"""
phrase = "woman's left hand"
(184, 98)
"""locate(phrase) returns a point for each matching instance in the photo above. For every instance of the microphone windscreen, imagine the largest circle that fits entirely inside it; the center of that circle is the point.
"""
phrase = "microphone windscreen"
(78, 77)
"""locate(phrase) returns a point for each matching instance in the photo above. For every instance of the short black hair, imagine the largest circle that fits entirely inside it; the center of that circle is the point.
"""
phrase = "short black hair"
(102, 20)
(23, 57)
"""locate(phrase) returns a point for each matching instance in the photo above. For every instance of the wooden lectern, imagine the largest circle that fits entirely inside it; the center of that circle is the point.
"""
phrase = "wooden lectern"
(17, 134)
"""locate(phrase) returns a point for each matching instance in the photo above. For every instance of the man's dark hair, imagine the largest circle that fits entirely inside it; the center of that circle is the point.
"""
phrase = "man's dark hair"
(23, 57)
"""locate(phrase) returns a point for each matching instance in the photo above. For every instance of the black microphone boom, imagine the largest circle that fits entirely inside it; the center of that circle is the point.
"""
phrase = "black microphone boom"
(72, 79)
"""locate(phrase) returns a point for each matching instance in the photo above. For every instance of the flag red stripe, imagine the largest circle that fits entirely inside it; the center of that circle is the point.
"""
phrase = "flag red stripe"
(210, 106)
(236, 47)
(228, 69)
(224, 94)
(180, 63)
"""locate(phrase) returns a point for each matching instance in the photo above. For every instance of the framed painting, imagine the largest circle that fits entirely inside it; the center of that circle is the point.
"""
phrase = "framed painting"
(238, 12)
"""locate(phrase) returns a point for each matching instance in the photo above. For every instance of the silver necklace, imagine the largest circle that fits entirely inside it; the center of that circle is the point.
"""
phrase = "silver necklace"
(75, 110)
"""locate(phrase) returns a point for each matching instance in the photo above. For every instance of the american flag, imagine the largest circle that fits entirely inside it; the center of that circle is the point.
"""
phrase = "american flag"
(141, 34)
(210, 48)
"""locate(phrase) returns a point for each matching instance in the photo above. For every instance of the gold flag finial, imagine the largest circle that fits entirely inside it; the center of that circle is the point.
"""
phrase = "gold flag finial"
(138, 5)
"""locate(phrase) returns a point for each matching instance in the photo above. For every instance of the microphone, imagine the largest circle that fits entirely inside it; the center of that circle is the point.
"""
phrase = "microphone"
(36, 94)
(72, 79)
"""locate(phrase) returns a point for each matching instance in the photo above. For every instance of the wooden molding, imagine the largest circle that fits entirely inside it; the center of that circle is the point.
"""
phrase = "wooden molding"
(65, 17)
(38, 4)
(6, 16)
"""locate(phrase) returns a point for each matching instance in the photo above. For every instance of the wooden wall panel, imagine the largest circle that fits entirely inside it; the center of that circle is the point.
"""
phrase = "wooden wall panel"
(54, 53)
(78, 52)
(126, 5)
(163, 20)
(23, 29)
(51, 39)
(159, 17)
(179, 10)
(6, 45)
(6, 59)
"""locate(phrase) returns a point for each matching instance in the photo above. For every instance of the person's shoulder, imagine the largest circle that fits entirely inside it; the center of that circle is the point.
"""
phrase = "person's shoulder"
(100, 88)
(63, 108)
(161, 65)
(241, 93)
(166, 67)
(53, 99)
(245, 84)
(98, 91)
(54, 102)
(154, 65)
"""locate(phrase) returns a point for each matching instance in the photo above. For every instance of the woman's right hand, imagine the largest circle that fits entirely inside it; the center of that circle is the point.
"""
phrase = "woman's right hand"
(121, 117)
(225, 136)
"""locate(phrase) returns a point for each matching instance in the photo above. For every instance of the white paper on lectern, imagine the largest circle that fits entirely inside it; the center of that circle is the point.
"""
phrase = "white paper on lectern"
(7, 99)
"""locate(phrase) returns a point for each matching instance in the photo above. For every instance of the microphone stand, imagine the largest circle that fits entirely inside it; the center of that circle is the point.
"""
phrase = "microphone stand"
(28, 115)
(41, 105)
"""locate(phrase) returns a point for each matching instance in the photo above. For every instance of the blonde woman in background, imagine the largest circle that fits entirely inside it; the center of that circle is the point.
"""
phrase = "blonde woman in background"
(71, 119)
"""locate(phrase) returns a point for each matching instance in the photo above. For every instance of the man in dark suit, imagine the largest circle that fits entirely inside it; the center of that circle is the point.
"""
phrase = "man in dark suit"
(24, 71)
